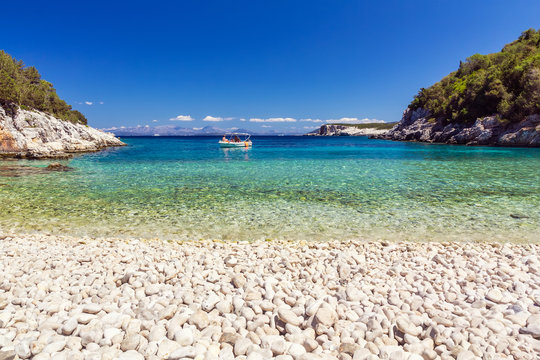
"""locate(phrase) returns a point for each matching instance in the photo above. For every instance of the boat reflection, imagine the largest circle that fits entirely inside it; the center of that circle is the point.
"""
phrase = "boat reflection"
(239, 153)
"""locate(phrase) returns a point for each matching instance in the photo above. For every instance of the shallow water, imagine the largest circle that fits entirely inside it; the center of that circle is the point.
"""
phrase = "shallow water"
(284, 187)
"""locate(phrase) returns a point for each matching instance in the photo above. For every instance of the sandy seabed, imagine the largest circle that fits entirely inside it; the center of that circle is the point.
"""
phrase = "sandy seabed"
(81, 298)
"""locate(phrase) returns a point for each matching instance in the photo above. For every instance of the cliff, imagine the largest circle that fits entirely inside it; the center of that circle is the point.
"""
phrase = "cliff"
(491, 99)
(345, 130)
(418, 125)
(35, 134)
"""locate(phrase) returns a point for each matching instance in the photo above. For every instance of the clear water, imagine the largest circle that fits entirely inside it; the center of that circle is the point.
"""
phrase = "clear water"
(297, 188)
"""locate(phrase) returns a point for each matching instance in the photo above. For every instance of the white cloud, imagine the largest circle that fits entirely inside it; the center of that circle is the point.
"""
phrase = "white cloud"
(242, 119)
(182, 118)
(310, 127)
(233, 128)
(347, 120)
(280, 119)
(312, 120)
(146, 126)
(154, 121)
(101, 103)
(197, 128)
(88, 102)
(212, 118)
(266, 126)
(122, 127)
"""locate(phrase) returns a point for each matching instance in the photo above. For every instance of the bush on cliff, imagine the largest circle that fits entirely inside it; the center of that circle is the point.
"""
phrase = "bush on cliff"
(23, 86)
(505, 83)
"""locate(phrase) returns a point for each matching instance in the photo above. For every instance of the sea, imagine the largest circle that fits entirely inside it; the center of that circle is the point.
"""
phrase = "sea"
(284, 187)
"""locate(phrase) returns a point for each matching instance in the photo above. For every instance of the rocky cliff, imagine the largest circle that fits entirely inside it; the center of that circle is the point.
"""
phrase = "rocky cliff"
(34, 134)
(344, 130)
(416, 125)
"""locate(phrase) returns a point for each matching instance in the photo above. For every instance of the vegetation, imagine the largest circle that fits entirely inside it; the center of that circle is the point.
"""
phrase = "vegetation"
(506, 83)
(378, 126)
(23, 86)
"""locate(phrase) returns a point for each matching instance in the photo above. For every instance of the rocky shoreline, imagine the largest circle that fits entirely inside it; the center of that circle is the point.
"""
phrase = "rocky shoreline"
(343, 130)
(81, 298)
(34, 134)
(416, 125)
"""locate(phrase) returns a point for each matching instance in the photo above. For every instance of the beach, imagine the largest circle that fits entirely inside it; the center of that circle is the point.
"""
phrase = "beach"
(67, 297)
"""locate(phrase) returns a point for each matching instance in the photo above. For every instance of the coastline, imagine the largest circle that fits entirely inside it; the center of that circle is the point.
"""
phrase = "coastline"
(33, 134)
(77, 297)
(418, 126)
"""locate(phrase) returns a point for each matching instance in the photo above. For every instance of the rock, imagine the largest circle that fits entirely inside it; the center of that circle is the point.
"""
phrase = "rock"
(226, 354)
(69, 326)
(210, 302)
(55, 346)
(289, 317)
(494, 295)
(130, 342)
(326, 316)
(229, 338)
(90, 334)
(362, 354)
(533, 319)
(151, 289)
(130, 355)
(496, 326)
(224, 307)
(22, 350)
(157, 333)
(58, 167)
(239, 281)
(310, 344)
(199, 319)
(296, 350)
(255, 356)
(465, 355)
(183, 352)
(348, 348)
(184, 337)
(405, 326)
(531, 329)
(7, 355)
(166, 348)
(416, 126)
(34, 134)
(241, 346)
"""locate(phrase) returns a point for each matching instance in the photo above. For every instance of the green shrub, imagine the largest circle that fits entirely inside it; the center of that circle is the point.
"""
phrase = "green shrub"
(23, 86)
(505, 83)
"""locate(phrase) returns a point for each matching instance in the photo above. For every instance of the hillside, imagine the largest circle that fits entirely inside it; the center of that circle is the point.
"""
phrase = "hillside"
(506, 83)
(491, 99)
(23, 87)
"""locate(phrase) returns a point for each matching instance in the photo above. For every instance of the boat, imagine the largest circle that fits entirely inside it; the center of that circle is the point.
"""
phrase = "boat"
(232, 140)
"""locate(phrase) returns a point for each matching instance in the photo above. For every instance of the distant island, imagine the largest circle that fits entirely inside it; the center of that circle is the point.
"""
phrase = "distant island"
(491, 99)
(368, 129)
(35, 122)
(173, 130)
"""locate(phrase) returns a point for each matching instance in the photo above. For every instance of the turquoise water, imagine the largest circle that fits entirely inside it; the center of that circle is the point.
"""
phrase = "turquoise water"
(298, 188)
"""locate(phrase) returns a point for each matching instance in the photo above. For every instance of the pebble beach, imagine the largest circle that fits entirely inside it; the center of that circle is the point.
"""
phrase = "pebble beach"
(83, 298)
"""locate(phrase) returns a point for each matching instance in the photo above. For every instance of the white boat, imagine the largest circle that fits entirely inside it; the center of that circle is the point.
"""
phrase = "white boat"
(232, 140)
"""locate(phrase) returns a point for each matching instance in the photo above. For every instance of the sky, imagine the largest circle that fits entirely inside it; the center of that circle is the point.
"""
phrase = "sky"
(279, 65)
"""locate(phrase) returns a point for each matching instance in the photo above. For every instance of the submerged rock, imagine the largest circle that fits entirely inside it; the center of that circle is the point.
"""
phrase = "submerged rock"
(58, 167)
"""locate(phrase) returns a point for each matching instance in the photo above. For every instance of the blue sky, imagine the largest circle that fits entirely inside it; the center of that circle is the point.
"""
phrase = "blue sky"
(272, 63)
